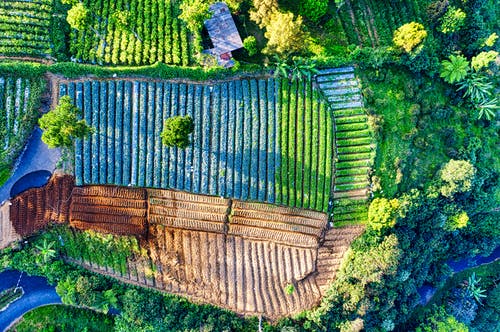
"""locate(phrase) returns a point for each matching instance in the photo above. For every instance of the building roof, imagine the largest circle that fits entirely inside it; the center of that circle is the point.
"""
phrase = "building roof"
(222, 30)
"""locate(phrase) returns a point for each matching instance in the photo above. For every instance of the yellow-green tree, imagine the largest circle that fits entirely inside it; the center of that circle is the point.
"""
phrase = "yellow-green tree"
(285, 34)
(262, 11)
(409, 36)
(61, 125)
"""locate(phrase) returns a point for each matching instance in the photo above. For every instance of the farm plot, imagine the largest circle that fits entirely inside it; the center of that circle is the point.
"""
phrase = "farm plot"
(18, 113)
(25, 27)
(248, 143)
(373, 22)
(109, 209)
(134, 32)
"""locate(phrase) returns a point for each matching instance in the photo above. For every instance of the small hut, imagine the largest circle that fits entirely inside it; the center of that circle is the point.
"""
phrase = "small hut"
(223, 33)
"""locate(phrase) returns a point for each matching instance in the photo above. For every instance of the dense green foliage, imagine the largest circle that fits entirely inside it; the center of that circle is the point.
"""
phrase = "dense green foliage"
(409, 36)
(61, 126)
(436, 174)
(64, 319)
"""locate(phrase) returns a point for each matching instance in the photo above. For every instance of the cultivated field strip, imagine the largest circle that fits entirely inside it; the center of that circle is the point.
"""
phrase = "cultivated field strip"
(24, 27)
(153, 34)
(188, 211)
(249, 277)
(121, 210)
(353, 144)
(263, 222)
(33, 209)
(239, 140)
(14, 106)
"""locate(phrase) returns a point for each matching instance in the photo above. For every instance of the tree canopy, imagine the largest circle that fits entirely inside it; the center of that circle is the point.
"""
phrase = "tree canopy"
(78, 16)
(285, 34)
(409, 36)
(177, 130)
(62, 125)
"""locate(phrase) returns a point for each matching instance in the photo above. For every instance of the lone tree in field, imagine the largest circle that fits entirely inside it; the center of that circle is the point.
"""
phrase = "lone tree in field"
(177, 130)
(409, 36)
(61, 125)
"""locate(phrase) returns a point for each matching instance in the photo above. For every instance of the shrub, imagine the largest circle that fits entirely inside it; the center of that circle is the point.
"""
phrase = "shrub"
(177, 130)
(409, 36)
(455, 69)
(194, 13)
(285, 34)
(262, 11)
(78, 16)
(453, 20)
(436, 10)
(313, 9)
(250, 44)
(483, 59)
(457, 176)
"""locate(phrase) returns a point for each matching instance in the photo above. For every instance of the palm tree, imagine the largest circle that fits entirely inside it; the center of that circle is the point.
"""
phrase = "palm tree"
(454, 70)
(477, 87)
(46, 250)
(488, 108)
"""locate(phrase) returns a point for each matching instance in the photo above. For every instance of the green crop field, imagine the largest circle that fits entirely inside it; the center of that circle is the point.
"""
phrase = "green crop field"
(265, 140)
(153, 33)
(24, 27)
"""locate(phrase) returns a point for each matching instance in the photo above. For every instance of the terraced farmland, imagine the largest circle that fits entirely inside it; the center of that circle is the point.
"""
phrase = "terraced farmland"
(239, 255)
(354, 147)
(24, 27)
(109, 210)
(248, 142)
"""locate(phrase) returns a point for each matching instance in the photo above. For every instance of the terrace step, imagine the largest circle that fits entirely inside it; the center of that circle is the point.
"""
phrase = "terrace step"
(344, 98)
(351, 119)
(338, 106)
(336, 77)
(354, 141)
(339, 87)
(344, 90)
(348, 112)
(330, 71)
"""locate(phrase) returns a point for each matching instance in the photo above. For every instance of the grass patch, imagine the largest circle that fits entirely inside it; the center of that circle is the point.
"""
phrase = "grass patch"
(4, 174)
(418, 128)
(10, 295)
(62, 318)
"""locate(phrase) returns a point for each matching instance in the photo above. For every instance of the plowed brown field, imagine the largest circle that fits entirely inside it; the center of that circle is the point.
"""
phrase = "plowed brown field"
(109, 209)
(35, 208)
(238, 255)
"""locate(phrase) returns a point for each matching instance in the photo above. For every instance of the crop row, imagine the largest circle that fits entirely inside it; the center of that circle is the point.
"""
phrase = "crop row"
(14, 107)
(24, 27)
(253, 139)
(152, 33)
